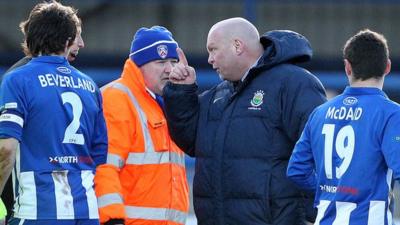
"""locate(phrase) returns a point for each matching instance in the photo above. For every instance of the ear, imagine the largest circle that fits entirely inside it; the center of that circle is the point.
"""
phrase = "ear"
(388, 67)
(238, 45)
(66, 48)
(347, 68)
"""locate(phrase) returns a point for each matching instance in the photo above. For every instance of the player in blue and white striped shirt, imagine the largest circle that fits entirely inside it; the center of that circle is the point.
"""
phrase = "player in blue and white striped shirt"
(54, 113)
(349, 152)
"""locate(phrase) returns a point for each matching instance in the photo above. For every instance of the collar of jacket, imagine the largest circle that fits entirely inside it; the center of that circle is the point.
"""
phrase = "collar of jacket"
(133, 78)
(132, 75)
(239, 85)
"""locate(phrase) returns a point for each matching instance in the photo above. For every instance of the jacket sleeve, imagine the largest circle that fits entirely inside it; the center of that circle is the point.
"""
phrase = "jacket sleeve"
(121, 132)
(301, 164)
(301, 171)
(182, 113)
(391, 144)
(301, 94)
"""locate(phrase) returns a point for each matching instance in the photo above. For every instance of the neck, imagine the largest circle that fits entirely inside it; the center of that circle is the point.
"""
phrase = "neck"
(249, 64)
(372, 82)
(65, 54)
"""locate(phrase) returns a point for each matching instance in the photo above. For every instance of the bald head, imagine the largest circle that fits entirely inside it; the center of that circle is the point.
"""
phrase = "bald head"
(237, 28)
(233, 45)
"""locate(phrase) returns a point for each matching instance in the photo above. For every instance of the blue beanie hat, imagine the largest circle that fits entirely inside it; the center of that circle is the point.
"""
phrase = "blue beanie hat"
(155, 43)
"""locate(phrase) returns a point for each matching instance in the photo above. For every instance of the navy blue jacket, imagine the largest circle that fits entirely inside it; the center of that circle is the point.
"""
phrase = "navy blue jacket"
(243, 137)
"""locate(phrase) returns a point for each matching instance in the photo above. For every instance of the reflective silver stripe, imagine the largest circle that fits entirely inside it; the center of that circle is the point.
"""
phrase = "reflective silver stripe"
(115, 160)
(109, 199)
(177, 159)
(155, 158)
(149, 147)
(135, 212)
(150, 156)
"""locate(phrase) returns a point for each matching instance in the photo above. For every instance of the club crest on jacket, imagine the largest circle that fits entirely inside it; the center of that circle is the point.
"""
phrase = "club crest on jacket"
(257, 99)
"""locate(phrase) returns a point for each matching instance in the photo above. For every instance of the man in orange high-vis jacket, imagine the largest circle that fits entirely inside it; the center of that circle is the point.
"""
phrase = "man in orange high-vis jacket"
(144, 179)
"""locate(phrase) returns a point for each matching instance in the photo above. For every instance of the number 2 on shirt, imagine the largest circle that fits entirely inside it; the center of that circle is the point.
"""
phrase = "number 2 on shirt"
(70, 135)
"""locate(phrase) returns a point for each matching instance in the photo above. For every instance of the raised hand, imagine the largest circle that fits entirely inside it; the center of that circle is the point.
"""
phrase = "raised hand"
(182, 73)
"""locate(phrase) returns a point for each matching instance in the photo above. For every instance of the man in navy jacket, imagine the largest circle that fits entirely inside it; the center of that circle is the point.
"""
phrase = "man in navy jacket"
(242, 131)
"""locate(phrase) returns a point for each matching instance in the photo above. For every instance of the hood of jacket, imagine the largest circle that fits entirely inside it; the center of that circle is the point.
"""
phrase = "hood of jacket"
(284, 46)
(280, 46)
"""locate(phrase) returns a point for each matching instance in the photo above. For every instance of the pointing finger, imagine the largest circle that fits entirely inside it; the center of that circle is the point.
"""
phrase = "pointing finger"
(182, 57)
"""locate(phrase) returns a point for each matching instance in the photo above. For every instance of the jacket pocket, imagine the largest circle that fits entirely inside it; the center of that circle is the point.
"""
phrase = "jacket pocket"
(159, 134)
(156, 122)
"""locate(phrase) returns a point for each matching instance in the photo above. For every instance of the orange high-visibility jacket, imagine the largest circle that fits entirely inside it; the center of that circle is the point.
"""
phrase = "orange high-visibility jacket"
(144, 179)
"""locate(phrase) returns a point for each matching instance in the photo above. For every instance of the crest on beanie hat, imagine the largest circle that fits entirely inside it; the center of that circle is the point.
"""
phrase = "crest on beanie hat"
(162, 51)
(155, 43)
